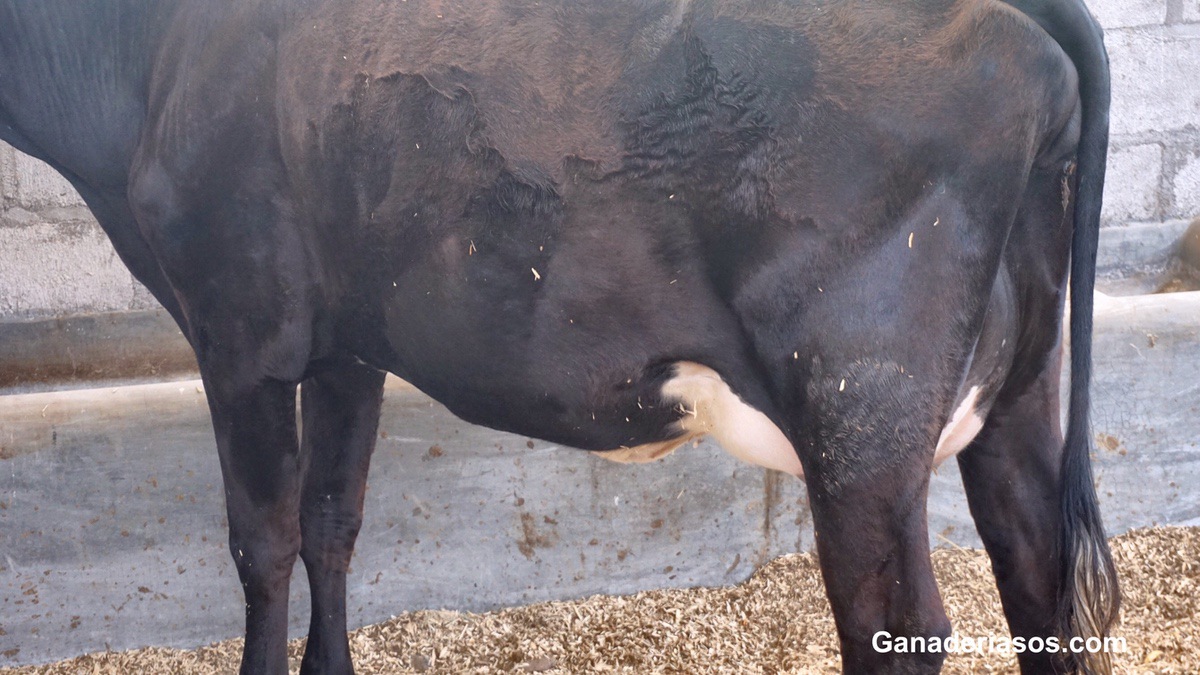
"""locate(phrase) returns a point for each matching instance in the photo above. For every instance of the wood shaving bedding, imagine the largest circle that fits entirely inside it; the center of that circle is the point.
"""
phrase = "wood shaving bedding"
(778, 621)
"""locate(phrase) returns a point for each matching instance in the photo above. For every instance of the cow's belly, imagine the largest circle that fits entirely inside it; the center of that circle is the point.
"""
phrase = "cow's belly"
(593, 340)
(623, 412)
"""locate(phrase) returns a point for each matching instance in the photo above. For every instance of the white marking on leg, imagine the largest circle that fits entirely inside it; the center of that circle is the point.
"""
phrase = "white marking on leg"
(962, 428)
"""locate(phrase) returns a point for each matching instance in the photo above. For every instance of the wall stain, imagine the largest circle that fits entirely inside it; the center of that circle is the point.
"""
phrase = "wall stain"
(532, 539)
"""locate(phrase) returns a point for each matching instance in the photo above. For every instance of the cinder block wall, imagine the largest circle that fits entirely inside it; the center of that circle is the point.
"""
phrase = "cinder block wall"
(55, 261)
(1154, 166)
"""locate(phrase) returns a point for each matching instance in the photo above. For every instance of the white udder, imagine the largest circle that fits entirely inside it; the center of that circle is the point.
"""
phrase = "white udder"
(711, 408)
(962, 428)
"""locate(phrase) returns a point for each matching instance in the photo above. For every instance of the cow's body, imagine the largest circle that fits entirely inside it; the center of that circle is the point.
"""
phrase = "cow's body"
(835, 235)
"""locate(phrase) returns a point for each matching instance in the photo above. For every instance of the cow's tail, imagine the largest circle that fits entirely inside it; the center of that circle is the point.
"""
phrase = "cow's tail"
(1090, 596)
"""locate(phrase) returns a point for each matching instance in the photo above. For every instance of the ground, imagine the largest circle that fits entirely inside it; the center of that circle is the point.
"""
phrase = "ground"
(776, 622)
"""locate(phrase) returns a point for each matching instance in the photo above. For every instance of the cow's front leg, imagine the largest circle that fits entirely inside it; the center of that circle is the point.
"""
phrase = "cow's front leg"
(340, 408)
(867, 463)
(255, 427)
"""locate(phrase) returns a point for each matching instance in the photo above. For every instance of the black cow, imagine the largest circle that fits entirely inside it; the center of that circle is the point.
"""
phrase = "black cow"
(833, 233)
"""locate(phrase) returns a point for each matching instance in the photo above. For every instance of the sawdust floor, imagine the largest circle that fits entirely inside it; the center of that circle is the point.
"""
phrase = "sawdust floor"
(776, 622)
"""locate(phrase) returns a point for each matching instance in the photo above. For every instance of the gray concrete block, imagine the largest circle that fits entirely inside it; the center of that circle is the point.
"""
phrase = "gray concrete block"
(8, 175)
(1132, 183)
(1146, 408)
(1191, 11)
(1186, 184)
(1155, 87)
(1126, 13)
(142, 299)
(32, 184)
(1138, 258)
(58, 269)
(78, 350)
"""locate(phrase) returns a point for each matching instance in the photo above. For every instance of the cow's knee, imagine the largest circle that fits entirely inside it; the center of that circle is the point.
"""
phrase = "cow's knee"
(329, 532)
(264, 553)
(341, 412)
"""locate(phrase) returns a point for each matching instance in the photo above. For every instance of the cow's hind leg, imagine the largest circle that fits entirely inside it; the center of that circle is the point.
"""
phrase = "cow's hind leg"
(1011, 476)
(340, 408)
(255, 426)
(866, 462)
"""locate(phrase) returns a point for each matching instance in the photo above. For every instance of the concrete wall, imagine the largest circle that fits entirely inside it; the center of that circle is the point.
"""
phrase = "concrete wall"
(1154, 167)
(56, 261)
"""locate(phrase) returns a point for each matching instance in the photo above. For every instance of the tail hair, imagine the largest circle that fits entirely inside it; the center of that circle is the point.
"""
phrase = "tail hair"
(1089, 600)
